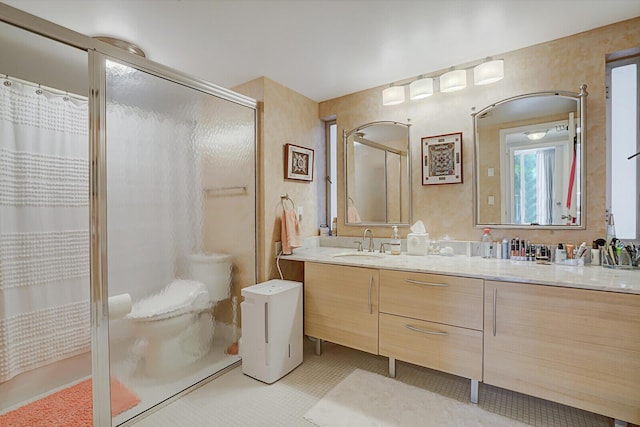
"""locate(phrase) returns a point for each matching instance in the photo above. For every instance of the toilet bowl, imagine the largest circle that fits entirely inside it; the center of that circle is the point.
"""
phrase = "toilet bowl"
(174, 327)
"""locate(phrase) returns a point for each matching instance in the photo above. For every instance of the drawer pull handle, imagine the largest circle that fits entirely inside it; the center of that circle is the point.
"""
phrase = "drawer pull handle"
(417, 282)
(370, 288)
(495, 306)
(425, 331)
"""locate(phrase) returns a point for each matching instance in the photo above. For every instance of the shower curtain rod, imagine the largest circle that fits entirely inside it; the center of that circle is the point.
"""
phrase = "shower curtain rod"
(51, 90)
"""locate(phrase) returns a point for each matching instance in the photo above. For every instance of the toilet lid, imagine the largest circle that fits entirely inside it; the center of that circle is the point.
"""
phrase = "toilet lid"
(180, 296)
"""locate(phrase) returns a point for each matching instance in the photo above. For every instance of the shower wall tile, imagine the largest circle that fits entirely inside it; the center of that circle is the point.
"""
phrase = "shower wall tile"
(229, 208)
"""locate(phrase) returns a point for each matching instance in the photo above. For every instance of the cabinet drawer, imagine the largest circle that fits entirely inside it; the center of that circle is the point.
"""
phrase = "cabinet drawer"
(443, 299)
(442, 347)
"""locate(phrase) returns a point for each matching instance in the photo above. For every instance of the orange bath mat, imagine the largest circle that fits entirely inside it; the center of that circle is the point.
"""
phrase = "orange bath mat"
(70, 407)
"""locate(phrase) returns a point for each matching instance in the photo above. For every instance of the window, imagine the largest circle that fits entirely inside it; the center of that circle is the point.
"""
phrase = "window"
(622, 143)
(534, 194)
(331, 172)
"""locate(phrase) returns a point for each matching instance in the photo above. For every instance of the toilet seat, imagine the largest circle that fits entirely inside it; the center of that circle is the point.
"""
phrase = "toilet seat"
(178, 297)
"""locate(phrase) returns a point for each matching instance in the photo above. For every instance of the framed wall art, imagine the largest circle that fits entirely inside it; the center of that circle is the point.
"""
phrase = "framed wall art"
(442, 159)
(298, 163)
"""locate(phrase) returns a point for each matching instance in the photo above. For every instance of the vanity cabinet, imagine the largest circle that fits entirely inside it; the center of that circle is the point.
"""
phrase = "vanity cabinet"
(573, 346)
(341, 305)
(433, 321)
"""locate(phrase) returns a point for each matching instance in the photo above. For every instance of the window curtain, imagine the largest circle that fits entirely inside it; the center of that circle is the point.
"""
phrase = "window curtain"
(545, 185)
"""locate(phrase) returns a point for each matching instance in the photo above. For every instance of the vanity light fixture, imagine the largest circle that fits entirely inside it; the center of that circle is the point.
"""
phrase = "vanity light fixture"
(536, 135)
(393, 95)
(488, 72)
(421, 88)
(453, 80)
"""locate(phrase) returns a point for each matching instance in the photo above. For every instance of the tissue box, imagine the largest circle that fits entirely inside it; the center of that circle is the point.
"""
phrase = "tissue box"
(418, 243)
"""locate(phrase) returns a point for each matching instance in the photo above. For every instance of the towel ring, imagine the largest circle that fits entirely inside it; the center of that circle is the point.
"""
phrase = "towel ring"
(286, 197)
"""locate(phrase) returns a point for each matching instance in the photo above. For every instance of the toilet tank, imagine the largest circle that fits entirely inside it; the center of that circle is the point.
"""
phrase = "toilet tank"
(214, 270)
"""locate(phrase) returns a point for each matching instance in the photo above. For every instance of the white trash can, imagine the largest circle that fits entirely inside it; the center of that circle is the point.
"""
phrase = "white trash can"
(271, 329)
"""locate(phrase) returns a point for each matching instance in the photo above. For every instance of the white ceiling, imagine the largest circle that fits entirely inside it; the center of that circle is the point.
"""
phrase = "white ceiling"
(327, 48)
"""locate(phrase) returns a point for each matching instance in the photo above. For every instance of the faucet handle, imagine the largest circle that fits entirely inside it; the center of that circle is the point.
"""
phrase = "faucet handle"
(359, 242)
(382, 244)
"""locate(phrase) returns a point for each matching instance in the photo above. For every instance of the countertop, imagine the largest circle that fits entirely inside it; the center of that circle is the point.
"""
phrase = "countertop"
(582, 277)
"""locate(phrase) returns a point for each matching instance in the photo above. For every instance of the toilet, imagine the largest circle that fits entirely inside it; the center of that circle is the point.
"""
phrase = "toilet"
(174, 327)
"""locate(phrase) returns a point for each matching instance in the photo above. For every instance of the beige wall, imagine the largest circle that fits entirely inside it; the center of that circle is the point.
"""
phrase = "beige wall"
(285, 117)
(563, 64)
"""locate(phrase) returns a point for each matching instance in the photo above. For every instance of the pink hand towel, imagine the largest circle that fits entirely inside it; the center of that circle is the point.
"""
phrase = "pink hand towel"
(352, 215)
(290, 231)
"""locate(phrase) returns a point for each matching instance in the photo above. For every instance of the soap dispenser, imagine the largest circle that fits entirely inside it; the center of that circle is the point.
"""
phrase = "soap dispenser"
(395, 241)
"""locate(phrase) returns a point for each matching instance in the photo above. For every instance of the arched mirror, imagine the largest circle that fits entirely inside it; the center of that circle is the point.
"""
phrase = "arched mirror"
(529, 161)
(377, 167)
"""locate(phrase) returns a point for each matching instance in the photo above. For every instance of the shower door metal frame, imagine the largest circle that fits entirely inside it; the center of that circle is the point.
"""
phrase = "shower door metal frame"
(98, 52)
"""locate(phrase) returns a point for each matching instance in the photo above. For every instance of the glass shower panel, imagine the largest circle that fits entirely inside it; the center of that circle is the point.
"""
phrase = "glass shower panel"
(45, 336)
(180, 234)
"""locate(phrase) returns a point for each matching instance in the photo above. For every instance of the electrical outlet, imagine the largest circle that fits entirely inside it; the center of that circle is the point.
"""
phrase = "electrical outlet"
(278, 247)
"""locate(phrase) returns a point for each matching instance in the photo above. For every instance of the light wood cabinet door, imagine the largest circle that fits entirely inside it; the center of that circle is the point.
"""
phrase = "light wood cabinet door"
(434, 345)
(432, 297)
(573, 346)
(341, 305)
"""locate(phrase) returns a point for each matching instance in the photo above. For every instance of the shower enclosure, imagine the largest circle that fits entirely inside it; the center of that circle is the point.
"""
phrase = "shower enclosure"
(114, 171)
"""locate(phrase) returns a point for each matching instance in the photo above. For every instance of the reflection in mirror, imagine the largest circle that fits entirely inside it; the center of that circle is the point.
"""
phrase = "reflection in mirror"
(529, 161)
(377, 167)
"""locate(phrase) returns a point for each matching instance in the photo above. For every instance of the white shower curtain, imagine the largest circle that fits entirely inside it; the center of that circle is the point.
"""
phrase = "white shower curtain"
(44, 228)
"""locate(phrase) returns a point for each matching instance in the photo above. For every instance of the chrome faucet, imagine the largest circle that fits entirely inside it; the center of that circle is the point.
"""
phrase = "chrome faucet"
(364, 237)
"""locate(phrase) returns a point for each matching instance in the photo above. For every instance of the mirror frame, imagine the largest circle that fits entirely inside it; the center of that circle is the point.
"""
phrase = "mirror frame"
(346, 134)
(581, 98)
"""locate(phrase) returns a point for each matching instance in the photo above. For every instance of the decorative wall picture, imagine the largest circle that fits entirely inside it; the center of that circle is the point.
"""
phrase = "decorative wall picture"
(298, 163)
(442, 159)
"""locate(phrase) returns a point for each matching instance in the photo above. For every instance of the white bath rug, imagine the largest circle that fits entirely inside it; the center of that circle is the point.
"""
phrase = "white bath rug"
(368, 399)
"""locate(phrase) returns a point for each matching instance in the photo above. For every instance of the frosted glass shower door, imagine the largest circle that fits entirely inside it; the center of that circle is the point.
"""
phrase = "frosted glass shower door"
(180, 187)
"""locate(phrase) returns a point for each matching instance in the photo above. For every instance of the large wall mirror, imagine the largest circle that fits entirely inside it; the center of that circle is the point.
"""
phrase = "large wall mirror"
(377, 167)
(530, 161)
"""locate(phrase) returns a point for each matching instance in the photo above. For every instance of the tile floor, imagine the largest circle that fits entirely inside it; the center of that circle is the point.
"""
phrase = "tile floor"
(234, 399)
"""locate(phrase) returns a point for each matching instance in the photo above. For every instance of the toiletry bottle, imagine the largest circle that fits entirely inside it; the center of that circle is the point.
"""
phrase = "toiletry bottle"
(595, 253)
(334, 226)
(611, 230)
(561, 254)
(486, 247)
(395, 241)
(569, 250)
(505, 248)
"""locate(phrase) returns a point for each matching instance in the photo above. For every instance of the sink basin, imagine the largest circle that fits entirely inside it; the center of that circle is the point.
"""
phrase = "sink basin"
(358, 255)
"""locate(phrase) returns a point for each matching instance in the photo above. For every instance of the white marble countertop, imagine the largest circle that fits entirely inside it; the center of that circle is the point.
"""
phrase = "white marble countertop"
(583, 277)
